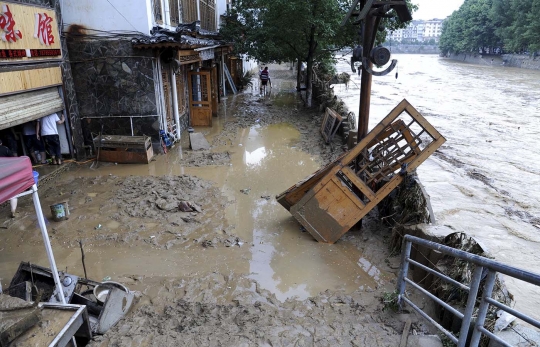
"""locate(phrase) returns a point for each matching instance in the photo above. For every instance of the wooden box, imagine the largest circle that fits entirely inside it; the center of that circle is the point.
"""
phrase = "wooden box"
(124, 149)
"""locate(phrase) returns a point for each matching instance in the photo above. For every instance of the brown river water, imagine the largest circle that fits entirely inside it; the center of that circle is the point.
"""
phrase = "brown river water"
(486, 180)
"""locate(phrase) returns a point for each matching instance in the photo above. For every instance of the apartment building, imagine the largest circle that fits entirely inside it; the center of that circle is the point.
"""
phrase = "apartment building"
(418, 31)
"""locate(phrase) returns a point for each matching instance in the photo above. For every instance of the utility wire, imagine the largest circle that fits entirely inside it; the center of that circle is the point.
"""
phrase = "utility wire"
(122, 15)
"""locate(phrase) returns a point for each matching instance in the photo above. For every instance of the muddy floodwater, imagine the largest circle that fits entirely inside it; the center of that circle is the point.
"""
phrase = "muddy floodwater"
(235, 267)
(485, 180)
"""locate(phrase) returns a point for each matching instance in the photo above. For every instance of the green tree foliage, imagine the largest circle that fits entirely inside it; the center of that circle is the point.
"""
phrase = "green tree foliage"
(510, 24)
(292, 30)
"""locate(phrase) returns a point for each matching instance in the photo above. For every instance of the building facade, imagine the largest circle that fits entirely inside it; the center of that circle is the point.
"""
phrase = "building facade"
(418, 31)
(36, 78)
(145, 67)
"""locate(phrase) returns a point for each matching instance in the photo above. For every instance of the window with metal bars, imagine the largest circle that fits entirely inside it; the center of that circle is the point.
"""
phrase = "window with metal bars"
(208, 14)
(174, 10)
(156, 8)
(189, 11)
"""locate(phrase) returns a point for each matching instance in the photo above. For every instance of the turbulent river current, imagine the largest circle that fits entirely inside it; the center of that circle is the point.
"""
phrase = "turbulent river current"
(485, 180)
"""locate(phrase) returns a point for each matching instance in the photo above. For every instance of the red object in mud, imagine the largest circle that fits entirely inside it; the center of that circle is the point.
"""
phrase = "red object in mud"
(15, 177)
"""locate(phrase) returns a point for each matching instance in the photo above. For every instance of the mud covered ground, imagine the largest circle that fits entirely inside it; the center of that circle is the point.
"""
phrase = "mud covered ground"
(215, 260)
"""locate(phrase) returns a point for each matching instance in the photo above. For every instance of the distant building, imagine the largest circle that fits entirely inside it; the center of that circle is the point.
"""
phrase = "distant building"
(418, 31)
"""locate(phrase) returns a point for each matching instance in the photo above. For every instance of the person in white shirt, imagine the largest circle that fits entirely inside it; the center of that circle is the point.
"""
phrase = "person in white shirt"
(46, 128)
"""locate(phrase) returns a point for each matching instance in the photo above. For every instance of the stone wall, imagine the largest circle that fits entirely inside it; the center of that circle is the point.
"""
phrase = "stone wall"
(115, 87)
(413, 49)
(508, 60)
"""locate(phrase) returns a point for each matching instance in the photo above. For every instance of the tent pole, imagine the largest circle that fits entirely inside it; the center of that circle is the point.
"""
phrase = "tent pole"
(47, 243)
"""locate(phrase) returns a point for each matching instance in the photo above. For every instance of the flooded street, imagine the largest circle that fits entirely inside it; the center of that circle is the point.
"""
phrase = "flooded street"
(485, 180)
(239, 247)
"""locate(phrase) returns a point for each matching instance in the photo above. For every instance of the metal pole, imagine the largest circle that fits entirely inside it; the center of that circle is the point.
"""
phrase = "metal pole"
(175, 103)
(482, 310)
(405, 254)
(471, 300)
(223, 73)
(48, 248)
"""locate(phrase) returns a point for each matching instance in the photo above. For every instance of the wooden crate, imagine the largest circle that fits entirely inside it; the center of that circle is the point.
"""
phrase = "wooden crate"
(124, 149)
(335, 198)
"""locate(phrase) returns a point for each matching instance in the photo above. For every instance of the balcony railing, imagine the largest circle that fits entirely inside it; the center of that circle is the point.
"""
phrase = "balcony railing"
(206, 13)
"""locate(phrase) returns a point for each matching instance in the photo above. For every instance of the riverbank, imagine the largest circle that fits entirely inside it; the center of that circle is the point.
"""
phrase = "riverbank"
(522, 61)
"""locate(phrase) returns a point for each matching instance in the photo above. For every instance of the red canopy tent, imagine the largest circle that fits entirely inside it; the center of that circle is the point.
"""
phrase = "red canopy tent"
(16, 180)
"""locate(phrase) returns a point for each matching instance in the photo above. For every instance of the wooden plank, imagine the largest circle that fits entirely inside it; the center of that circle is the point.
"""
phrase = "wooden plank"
(15, 323)
(125, 157)
(429, 150)
(24, 18)
(198, 142)
(422, 121)
(24, 80)
(358, 182)
(292, 195)
(405, 334)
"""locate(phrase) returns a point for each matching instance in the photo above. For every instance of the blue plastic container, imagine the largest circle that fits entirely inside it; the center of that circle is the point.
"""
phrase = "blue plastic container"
(36, 176)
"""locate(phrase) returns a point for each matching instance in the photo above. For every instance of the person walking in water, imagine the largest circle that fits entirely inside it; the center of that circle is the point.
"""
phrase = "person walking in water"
(264, 75)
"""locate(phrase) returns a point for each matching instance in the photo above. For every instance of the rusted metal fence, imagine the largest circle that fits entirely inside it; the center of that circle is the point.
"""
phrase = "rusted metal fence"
(482, 264)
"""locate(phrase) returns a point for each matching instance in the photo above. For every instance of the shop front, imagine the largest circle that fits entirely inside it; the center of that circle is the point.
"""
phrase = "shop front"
(30, 74)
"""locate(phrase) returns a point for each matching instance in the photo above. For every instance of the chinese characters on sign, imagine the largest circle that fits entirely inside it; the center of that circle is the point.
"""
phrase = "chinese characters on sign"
(43, 29)
(17, 22)
(7, 25)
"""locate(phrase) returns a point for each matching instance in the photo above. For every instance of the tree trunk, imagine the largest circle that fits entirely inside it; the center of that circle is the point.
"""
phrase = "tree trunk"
(298, 74)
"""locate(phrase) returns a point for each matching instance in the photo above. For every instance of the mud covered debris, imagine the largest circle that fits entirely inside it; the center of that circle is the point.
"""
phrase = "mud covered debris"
(150, 197)
(196, 312)
(205, 158)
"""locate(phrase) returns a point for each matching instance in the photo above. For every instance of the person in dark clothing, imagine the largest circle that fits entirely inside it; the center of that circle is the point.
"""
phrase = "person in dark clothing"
(265, 78)
(10, 139)
(4, 151)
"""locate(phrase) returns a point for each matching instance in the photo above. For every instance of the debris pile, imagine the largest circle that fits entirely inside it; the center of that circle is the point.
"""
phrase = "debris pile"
(151, 197)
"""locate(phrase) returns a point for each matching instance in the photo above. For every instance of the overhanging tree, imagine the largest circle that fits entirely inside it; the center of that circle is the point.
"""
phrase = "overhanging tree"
(289, 30)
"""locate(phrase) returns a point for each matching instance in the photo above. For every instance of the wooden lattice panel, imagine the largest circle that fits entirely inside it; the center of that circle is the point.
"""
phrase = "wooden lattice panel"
(355, 184)
(208, 14)
(330, 124)
(189, 11)
(174, 10)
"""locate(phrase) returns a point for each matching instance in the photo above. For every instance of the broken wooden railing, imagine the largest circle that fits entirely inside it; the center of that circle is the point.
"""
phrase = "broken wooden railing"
(336, 197)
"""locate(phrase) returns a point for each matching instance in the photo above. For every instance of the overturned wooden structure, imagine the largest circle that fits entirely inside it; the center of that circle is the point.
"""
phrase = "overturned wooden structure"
(335, 198)
(330, 124)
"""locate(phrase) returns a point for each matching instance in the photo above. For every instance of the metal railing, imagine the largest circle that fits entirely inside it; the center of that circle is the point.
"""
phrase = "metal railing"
(481, 263)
